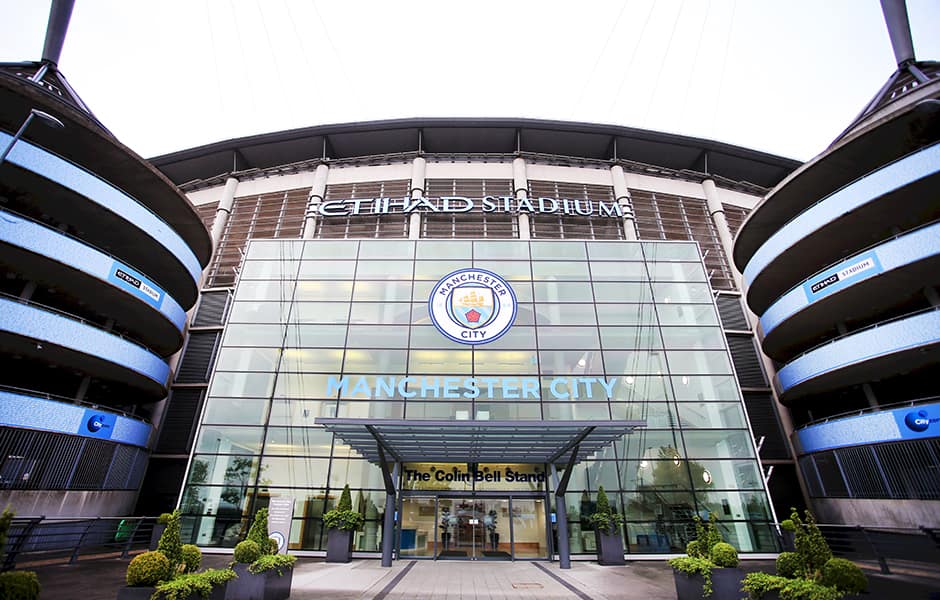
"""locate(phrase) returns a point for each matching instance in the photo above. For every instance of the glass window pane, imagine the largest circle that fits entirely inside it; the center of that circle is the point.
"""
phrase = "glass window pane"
(722, 415)
(294, 472)
(658, 415)
(381, 313)
(682, 292)
(384, 269)
(456, 411)
(298, 441)
(441, 361)
(386, 291)
(381, 409)
(507, 411)
(236, 411)
(301, 385)
(248, 359)
(274, 249)
(684, 314)
(677, 271)
(230, 440)
(566, 314)
(641, 362)
(616, 338)
(566, 250)
(510, 270)
(434, 270)
(427, 336)
(259, 312)
(651, 444)
(317, 360)
(504, 361)
(518, 337)
(736, 505)
(553, 270)
(268, 269)
(609, 291)
(255, 385)
(368, 387)
(614, 271)
(331, 269)
(319, 312)
(375, 361)
(592, 474)
(359, 474)
(264, 290)
(721, 443)
(693, 337)
(671, 251)
(455, 249)
(704, 362)
(729, 474)
(550, 291)
(551, 338)
(626, 314)
(571, 361)
(330, 249)
(254, 335)
(705, 388)
(631, 388)
(575, 411)
(494, 249)
(323, 291)
(387, 249)
(616, 251)
(314, 336)
(369, 336)
(300, 412)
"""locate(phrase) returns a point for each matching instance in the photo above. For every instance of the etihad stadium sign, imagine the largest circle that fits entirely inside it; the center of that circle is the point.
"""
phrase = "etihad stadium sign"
(462, 204)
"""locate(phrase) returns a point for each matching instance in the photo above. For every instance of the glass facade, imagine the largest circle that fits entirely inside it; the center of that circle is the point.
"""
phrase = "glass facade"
(604, 330)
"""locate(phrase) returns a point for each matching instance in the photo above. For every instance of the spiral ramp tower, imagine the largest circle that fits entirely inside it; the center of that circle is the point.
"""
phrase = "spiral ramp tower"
(842, 265)
(100, 257)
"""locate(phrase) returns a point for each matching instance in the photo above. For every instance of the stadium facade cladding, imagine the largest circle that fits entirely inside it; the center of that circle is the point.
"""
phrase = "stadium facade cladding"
(360, 279)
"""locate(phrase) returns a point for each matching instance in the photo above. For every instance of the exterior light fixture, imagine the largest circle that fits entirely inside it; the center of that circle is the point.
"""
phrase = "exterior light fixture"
(45, 117)
(707, 476)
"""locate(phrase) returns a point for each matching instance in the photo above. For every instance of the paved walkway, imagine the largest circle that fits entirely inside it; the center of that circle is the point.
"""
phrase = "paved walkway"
(99, 579)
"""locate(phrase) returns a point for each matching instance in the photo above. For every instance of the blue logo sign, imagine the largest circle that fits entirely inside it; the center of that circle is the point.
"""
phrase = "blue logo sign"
(918, 421)
(98, 424)
(472, 306)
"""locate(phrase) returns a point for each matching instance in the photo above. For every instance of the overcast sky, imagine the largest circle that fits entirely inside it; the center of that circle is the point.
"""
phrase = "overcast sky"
(783, 76)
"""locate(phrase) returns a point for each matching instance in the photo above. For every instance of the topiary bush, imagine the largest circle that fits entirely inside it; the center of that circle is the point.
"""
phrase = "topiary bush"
(694, 548)
(788, 564)
(19, 585)
(247, 552)
(724, 555)
(273, 562)
(193, 585)
(604, 518)
(343, 516)
(148, 569)
(272, 546)
(844, 575)
(258, 532)
(170, 544)
(811, 546)
(192, 558)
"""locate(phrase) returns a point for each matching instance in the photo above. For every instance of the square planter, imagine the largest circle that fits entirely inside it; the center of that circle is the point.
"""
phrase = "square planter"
(261, 586)
(726, 585)
(609, 548)
(144, 593)
(339, 545)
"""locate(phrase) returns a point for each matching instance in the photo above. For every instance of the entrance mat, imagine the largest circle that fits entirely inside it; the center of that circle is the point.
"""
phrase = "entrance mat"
(497, 554)
(452, 554)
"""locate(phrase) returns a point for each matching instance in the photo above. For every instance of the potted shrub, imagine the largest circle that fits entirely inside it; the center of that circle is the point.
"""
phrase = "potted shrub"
(169, 573)
(710, 569)
(158, 528)
(22, 585)
(809, 573)
(341, 522)
(607, 526)
(263, 574)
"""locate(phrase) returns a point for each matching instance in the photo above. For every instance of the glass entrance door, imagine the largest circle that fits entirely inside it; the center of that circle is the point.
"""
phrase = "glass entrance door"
(473, 528)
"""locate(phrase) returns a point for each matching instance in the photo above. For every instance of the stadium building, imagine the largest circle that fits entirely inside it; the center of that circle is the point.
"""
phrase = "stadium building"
(842, 265)
(476, 324)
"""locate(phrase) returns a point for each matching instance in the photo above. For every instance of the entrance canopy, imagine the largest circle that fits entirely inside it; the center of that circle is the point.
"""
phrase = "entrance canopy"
(380, 440)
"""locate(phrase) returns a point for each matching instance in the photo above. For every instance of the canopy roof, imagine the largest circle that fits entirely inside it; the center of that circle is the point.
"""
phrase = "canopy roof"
(380, 440)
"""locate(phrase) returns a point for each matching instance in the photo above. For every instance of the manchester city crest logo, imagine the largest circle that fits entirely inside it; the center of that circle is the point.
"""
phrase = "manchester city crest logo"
(472, 306)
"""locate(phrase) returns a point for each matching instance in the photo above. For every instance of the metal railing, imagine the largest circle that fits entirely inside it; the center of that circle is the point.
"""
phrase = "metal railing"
(880, 545)
(41, 540)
